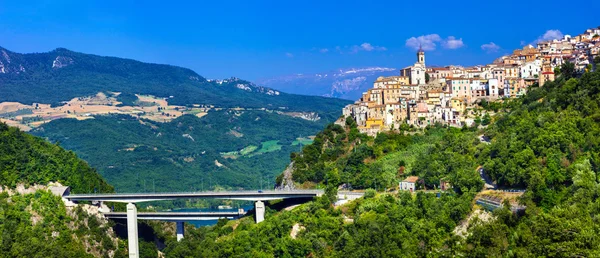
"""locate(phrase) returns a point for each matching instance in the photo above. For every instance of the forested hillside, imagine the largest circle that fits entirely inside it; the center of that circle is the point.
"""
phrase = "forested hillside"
(30, 160)
(36, 222)
(545, 142)
(251, 148)
(362, 162)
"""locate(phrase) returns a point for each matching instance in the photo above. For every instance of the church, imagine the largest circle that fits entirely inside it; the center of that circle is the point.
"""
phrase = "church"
(416, 73)
(392, 101)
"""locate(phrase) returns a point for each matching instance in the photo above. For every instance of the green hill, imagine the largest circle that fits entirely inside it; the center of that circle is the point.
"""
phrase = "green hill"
(545, 142)
(31, 160)
(37, 222)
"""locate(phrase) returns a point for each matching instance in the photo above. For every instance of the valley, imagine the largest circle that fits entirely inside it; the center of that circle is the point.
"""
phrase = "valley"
(146, 126)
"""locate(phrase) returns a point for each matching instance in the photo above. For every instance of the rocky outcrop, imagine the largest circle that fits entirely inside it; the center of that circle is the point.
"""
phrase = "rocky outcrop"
(310, 116)
(288, 181)
(62, 61)
(296, 229)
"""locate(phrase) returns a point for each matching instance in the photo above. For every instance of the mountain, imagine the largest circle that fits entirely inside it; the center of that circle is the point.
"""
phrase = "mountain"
(343, 83)
(148, 126)
(61, 75)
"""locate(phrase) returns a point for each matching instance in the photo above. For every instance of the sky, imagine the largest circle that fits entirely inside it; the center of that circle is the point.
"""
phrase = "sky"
(261, 39)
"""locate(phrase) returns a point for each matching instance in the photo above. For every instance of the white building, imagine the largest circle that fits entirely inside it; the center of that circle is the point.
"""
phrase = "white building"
(492, 86)
(531, 69)
(417, 72)
(409, 184)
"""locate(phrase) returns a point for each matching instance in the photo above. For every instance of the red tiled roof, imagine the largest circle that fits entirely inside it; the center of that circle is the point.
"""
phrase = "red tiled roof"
(411, 179)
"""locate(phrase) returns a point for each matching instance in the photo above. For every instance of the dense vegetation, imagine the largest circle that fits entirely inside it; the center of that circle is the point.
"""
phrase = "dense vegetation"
(547, 132)
(37, 223)
(549, 144)
(545, 142)
(31, 160)
(382, 226)
(142, 155)
(85, 75)
(366, 162)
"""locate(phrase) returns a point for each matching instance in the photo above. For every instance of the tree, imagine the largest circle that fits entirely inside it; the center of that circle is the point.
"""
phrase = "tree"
(427, 78)
(567, 70)
(333, 181)
(486, 119)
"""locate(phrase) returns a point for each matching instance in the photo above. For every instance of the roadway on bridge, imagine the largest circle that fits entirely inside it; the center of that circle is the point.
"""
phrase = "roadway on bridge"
(178, 216)
(230, 195)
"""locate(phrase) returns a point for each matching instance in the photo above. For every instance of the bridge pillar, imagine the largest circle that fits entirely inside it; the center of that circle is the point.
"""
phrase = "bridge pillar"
(180, 230)
(132, 231)
(259, 208)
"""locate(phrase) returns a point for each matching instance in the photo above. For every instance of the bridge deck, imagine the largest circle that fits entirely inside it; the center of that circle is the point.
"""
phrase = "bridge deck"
(231, 195)
(177, 216)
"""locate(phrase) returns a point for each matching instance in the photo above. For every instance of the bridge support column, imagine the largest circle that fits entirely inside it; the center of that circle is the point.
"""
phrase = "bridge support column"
(259, 208)
(180, 230)
(132, 231)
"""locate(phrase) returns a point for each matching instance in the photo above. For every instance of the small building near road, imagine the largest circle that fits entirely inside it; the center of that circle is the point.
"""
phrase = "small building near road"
(409, 184)
(445, 185)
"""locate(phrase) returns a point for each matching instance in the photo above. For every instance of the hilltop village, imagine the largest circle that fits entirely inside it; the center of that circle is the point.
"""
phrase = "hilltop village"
(420, 96)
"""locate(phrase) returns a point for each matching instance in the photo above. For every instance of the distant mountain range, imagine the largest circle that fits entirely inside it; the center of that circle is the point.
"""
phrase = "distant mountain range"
(242, 137)
(61, 75)
(343, 83)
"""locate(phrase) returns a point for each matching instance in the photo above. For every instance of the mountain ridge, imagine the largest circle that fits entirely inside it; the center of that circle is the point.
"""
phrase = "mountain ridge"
(61, 74)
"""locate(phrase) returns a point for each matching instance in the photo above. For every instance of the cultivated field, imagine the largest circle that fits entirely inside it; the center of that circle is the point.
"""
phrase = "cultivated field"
(149, 107)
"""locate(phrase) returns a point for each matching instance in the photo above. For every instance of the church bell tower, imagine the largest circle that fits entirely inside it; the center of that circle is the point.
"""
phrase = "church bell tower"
(421, 56)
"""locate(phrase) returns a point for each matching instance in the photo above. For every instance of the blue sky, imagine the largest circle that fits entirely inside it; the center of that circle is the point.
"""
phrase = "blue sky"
(257, 39)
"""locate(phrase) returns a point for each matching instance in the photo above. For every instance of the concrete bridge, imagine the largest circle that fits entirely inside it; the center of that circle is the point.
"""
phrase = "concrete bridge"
(132, 198)
(231, 195)
(178, 217)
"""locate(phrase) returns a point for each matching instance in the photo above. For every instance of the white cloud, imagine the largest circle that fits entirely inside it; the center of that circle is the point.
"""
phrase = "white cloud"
(549, 35)
(290, 55)
(426, 42)
(323, 50)
(453, 43)
(490, 47)
(429, 42)
(366, 47)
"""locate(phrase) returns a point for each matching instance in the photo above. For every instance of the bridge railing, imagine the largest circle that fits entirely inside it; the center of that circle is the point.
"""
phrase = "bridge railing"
(203, 192)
